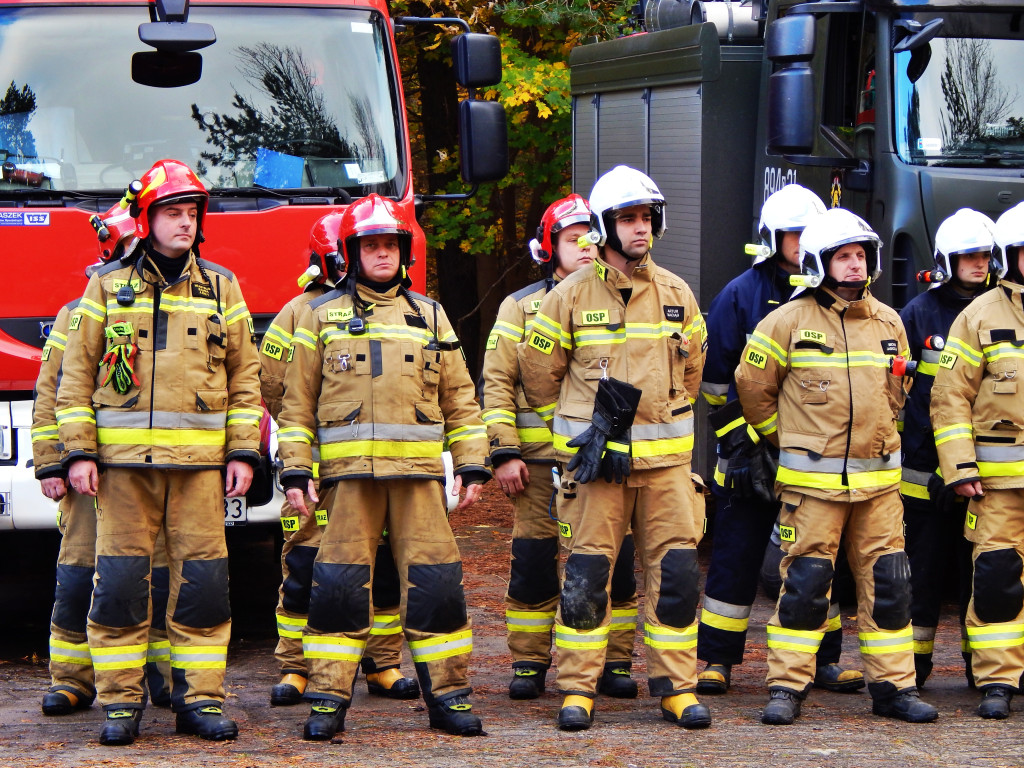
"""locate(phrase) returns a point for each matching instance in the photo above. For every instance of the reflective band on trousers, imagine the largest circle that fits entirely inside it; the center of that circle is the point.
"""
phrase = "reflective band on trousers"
(70, 653)
(442, 646)
(798, 640)
(914, 483)
(529, 621)
(996, 636)
(386, 624)
(337, 648)
(725, 616)
(581, 639)
(123, 657)
(199, 656)
(623, 618)
(877, 643)
(289, 626)
(159, 651)
(670, 639)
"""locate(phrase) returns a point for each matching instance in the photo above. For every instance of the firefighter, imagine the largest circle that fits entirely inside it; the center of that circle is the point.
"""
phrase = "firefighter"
(523, 460)
(976, 414)
(933, 514)
(302, 531)
(814, 379)
(378, 381)
(161, 390)
(72, 683)
(612, 363)
(744, 477)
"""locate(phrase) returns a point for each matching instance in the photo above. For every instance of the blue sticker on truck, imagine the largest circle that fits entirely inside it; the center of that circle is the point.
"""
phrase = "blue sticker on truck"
(19, 219)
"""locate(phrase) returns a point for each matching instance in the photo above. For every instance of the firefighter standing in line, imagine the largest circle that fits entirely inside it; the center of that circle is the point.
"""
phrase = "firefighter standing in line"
(613, 363)
(745, 477)
(933, 514)
(161, 388)
(72, 680)
(976, 414)
(523, 460)
(378, 381)
(302, 531)
(815, 380)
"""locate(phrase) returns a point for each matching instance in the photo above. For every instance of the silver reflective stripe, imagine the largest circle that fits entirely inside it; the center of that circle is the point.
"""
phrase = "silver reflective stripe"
(529, 419)
(568, 428)
(728, 610)
(802, 463)
(930, 355)
(999, 452)
(374, 431)
(714, 389)
(682, 428)
(916, 476)
(161, 420)
(924, 634)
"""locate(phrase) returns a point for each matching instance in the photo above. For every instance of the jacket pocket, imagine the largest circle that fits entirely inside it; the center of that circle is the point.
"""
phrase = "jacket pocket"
(428, 413)
(108, 397)
(338, 359)
(814, 388)
(339, 413)
(1003, 375)
(431, 368)
(211, 400)
(811, 443)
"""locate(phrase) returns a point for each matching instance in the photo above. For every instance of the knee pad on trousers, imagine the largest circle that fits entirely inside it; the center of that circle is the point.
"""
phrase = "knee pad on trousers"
(583, 599)
(341, 600)
(160, 590)
(533, 578)
(623, 575)
(892, 591)
(998, 593)
(677, 597)
(295, 588)
(387, 587)
(804, 605)
(72, 596)
(203, 600)
(436, 603)
(121, 595)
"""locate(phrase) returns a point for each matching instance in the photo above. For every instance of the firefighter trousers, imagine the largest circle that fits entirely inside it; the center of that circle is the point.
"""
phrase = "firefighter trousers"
(995, 616)
(432, 606)
(872, 534)
(132, 508)
(743, 528)
(70, 660)
(935, 540)
(532, 597)
(302, 534)
(667, 518)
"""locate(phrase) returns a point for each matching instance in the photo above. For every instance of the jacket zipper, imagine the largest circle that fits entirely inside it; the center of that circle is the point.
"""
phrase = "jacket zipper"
(156, 335)
(849, 387)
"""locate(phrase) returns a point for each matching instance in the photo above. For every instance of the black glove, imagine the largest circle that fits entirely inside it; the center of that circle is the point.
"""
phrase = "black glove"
(751, 468)
(943, 496)
(614, 409)
(615, 462)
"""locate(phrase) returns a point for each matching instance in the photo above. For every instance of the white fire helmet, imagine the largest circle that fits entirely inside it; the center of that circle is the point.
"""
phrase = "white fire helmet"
(826, 234)
(1009, 233)
(786, 210)
(623, 187)
(966, 231)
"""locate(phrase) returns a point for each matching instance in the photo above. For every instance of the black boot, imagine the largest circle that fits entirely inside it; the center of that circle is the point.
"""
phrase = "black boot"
(906, 706)
(325, 719)
(288, 692)
(455, 716)
(922, 668)
(64, 702)
(207, 723)
(996, 704)
(576, 713)
(714, 679)
(783, 707)
(527, 681)
(392, 684)
(121, 726)
(616, 682)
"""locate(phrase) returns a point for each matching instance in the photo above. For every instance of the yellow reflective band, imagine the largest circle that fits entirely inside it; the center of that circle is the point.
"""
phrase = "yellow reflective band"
(879, 643)
(442, 646)
(734, 424)
(288, 626)
(546, 412)
(123, 657)
(161, 437)
(927, 369)
(914, 491)
(645, 449)
(996, 636)
(468, 432)
(924, 646)
(623, 619)
(529, 621)
(834, 623)
(583, 639)
(303, 337)
(714, 399)
(768, 346)
(961, 349)
(159, 651)
(724, 623)
(386, 624)
(769, 425)
(87, 308)
(666, 638)
(295, 435)
(337, 648)
(73, 415)
(551, 327)
(70, 653)
(796, 640)
(509, 331)
(829, 481)
(498, 416)
(534, 435)
(954, 432)
(199, 656)
(413, 449)
(244, 416)
(50, 432)
(1001, 468)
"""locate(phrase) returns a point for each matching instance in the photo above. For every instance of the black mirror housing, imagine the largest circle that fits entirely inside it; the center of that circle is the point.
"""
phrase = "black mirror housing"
(791, 39)
(157, 69)
(483, 141)
(791, 111)
(476, 59)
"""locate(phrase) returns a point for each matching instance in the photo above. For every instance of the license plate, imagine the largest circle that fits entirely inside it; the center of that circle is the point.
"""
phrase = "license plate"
(236, 511)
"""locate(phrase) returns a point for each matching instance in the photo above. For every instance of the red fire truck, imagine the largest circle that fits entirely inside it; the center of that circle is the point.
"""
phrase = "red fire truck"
(286, 111)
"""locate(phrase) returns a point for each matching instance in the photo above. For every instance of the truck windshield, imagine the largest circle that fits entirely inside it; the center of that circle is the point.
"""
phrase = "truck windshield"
(966, 108)
(289, 98)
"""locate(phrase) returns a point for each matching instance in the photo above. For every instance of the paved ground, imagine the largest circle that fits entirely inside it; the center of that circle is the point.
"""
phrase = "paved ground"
(835, 730)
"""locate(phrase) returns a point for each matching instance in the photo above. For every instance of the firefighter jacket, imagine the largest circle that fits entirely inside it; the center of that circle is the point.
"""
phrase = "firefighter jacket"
(977, 401)
(514, 430)
(734, 314)
(194, 401)
(45, 437)
(815, 380)
(586, 330)
(382, 403)
(928, 315)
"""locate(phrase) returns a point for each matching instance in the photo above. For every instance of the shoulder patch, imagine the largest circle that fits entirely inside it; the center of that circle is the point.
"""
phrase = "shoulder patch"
(818, 337)
(755, 357)
(272, 349)
(339, 315)
(541, 343)
(947, 360)
(76, 320)
(595, 317)
(492, 341)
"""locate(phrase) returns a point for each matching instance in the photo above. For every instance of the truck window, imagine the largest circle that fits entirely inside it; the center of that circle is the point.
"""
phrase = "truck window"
(847, 114)
(290, 98)
(966, 108)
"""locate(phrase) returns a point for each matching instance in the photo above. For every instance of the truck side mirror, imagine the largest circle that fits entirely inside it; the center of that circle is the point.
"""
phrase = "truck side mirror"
(791, 39)
(791, 111)
(483, 141)
(476, 59)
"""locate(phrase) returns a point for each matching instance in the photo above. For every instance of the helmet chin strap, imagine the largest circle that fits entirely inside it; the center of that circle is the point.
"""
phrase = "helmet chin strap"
(831, 282)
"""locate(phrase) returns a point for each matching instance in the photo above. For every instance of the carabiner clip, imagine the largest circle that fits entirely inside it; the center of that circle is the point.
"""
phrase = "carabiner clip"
(604, 367)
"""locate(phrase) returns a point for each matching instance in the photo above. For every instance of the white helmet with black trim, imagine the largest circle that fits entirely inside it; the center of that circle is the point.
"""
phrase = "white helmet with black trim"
(966, 231)
(1009, 234)
(786, 210)
(826, 234)
(623, 187)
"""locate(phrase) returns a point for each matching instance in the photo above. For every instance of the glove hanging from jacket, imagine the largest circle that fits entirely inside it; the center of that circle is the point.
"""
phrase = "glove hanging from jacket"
(614, 410)
(751, 469)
